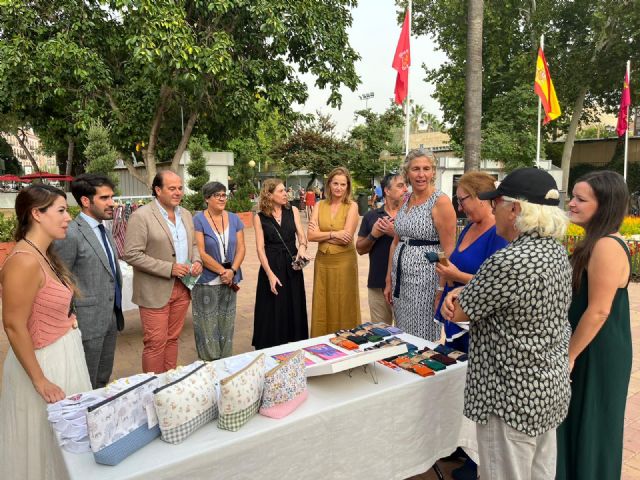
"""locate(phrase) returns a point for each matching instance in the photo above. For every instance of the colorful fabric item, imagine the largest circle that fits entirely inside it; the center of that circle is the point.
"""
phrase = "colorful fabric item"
(112, 421)
(186, 404)
(240, 395)
(285, 387)
(543, 86)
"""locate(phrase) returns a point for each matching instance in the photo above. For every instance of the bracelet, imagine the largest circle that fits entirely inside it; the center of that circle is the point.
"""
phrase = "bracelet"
(372, 238)
(440, 289)
(234, 270)
(331, 235)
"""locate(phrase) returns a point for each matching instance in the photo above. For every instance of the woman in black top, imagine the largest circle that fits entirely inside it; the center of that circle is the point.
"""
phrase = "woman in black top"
(280, 309)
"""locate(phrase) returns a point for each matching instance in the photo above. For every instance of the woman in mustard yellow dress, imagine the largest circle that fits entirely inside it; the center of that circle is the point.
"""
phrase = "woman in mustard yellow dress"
(336, 301)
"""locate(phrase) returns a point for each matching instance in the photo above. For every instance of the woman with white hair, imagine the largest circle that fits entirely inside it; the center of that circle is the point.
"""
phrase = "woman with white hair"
(517, 389)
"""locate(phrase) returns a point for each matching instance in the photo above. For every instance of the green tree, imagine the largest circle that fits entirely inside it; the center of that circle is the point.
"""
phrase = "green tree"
(375, 136)
(161, 70)
(100, 154)
(198, 173)
(473, 86)
(11, 164)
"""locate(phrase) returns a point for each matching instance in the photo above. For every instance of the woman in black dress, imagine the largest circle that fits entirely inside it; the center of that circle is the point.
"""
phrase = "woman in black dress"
(280, 314)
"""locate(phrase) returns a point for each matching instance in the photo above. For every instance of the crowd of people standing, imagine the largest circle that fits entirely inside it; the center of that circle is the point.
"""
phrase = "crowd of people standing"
(536, 324)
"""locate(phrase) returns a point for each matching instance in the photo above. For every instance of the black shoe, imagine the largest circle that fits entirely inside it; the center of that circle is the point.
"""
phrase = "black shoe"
(469, 471)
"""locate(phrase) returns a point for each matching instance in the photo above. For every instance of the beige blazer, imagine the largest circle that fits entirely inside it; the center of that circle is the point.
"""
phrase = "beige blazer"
(149, 249)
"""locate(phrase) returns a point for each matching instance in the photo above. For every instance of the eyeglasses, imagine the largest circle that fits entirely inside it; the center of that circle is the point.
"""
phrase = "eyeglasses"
(219, 196)
(462, 199)
(495, 201)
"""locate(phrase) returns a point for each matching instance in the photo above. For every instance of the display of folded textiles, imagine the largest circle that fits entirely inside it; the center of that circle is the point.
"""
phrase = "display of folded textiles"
(434, 355)
(451, 353)
(68, 418)
(392, 342)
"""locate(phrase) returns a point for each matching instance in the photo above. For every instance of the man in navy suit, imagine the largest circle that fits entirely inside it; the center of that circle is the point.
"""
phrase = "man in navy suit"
(89, 252)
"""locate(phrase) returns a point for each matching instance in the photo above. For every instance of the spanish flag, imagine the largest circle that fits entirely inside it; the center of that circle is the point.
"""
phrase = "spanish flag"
(543, 86)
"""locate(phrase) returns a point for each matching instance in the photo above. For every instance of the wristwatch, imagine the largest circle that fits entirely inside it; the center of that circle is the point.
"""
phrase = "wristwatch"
(233, 270)
(372, 238)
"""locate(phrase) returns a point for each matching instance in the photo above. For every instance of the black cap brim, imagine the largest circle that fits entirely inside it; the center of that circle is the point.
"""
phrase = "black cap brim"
(489, 195)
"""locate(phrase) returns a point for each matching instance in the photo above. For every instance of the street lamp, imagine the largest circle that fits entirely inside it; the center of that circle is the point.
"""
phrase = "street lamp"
(384, 156)
(366, 97)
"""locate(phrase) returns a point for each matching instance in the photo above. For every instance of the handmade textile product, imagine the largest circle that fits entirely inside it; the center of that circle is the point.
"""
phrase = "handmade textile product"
(68, 418)
(240, 395)
(186, 404)
(285, 387)
(451, 353)
(119, 425)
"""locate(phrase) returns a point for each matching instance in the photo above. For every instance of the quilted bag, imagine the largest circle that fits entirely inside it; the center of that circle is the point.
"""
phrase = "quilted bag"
(186, 404)
(240, 395)
(123, 423)
(285, 387)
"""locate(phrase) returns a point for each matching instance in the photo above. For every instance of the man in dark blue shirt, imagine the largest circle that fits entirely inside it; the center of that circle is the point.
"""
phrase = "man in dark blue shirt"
(375, 237)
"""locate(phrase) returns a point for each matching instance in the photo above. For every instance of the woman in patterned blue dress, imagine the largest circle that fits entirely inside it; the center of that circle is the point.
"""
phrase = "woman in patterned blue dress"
(477, 242)
(426, 222)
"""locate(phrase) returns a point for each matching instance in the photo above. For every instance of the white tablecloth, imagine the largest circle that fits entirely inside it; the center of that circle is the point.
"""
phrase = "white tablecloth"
(349, 428)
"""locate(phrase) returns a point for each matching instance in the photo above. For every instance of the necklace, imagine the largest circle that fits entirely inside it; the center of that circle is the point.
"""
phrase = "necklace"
(53, 269)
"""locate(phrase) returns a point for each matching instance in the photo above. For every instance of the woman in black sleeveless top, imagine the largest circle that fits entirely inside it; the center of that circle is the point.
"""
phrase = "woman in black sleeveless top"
(280, 314)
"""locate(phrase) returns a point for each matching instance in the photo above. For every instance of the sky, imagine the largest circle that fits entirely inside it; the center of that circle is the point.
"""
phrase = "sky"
(374, 35)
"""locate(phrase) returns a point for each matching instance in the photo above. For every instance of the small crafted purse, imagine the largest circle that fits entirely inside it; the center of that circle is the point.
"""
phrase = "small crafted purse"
(124, 423)
(240, 395)
(285, 387)
(186, 404)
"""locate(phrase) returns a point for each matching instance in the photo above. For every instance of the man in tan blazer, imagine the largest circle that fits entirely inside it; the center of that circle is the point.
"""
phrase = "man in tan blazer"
(160, 246)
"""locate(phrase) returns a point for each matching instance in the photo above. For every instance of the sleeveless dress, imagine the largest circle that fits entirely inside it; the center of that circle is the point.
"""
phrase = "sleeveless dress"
(281, 318)
(28, 449)
(414, 306)
(336, 294)
(590, 438)
(468, 261)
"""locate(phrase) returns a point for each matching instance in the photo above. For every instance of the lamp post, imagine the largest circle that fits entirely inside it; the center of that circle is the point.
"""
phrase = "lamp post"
(366, 97)
(384, 156)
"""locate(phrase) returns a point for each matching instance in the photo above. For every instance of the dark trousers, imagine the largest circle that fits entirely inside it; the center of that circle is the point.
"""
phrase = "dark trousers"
(99, 353)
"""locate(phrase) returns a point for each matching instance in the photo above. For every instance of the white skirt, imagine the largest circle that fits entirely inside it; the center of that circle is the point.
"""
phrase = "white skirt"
(28, 448)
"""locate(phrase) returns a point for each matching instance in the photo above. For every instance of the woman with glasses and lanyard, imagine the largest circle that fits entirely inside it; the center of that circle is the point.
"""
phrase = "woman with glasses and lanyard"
(220, 239)
(425, 223)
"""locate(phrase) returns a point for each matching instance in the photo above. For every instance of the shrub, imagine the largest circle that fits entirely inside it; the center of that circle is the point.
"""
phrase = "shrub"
(8, 224)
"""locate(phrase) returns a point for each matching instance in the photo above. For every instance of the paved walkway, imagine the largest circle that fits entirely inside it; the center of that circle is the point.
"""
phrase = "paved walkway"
(129, 349)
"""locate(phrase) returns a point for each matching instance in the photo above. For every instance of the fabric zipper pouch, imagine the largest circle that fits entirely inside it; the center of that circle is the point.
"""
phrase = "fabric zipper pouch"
(357, 339)
(240, 395)
(285, 387)
(451, 353)
(380, 331)
(186, 404)
(124, 423)
(433, 365)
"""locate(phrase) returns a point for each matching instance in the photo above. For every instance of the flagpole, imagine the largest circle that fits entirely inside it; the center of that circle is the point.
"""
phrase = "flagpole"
(539, 115)
(626, 132)
(407, 118)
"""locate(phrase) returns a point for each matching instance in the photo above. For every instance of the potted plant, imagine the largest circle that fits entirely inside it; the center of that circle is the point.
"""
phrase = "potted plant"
(240, 203)
(7, 229)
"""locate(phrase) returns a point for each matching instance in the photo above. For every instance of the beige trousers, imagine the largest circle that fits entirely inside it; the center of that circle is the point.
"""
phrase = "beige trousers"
(380, 310)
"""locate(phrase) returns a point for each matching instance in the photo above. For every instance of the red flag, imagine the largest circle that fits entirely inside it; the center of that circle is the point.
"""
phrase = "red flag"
(625, 101)
(402, 61)
(543, 87)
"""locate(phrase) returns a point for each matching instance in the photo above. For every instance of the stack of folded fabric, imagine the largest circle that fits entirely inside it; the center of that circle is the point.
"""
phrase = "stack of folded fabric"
(451, 353)
(392, 342)
(68, 419)
(364, 333)
(427, 362)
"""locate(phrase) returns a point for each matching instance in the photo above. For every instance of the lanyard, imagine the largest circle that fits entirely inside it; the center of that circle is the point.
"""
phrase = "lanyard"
(221, 235)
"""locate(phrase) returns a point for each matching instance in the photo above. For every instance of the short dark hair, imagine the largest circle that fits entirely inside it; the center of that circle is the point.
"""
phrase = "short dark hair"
(212, 188)
(85, 186)
(386, 182)
(157, 182)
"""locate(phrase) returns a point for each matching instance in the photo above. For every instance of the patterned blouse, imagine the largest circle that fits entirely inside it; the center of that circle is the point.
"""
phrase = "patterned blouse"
(519, 350)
